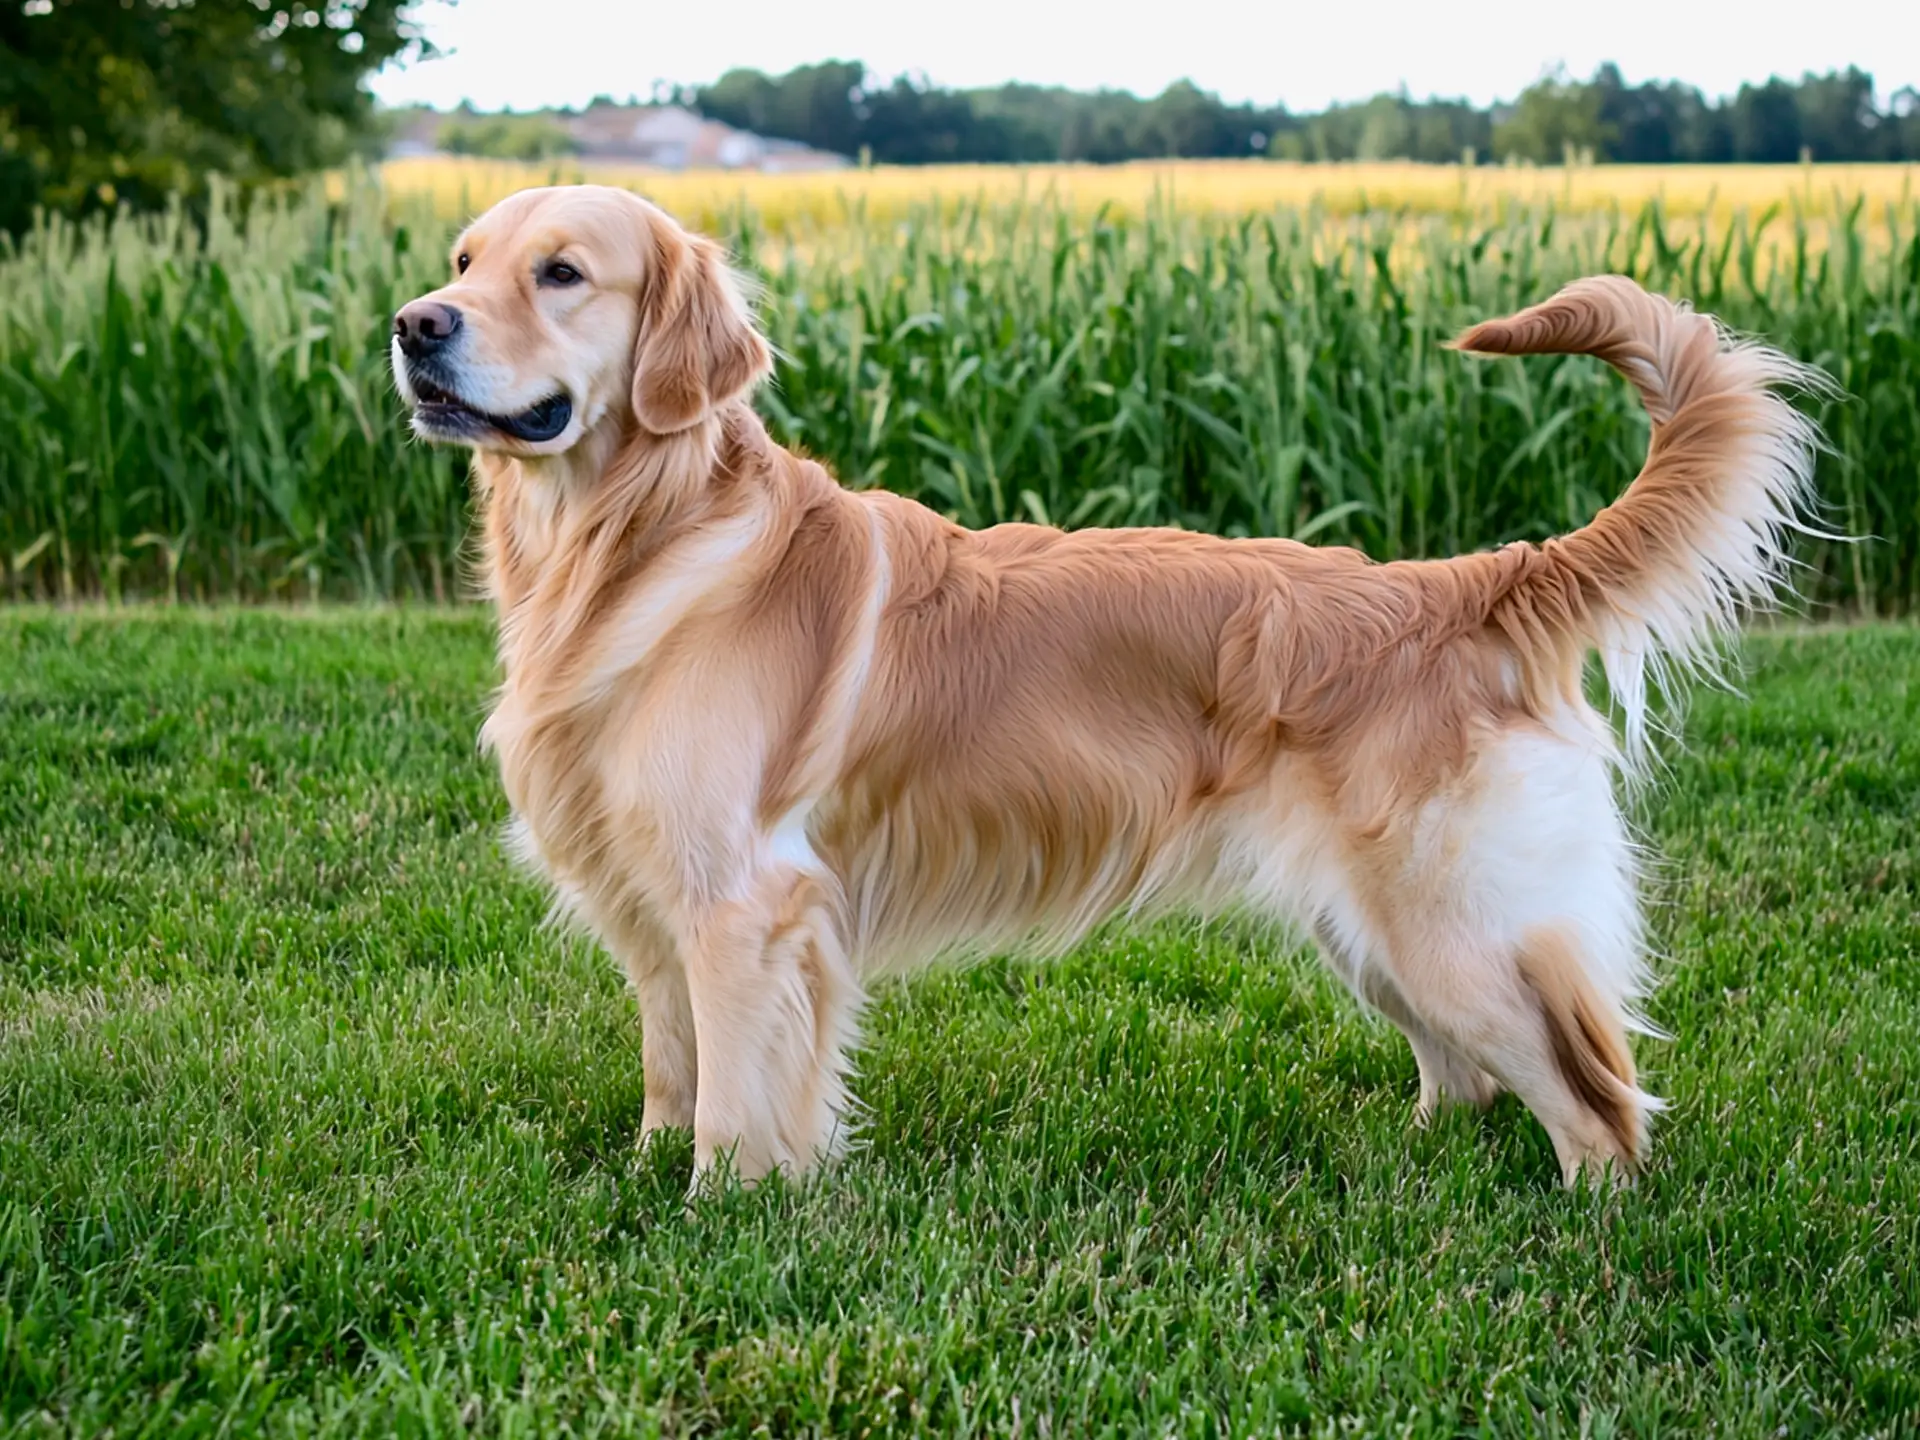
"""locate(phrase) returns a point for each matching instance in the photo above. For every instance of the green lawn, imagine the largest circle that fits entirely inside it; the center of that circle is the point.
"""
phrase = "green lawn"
(306, 1124)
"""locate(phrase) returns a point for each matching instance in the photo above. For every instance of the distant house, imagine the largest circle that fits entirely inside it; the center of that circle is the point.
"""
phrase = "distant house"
(660, 137)
(671, 137)
(787, 157)
(416, 133)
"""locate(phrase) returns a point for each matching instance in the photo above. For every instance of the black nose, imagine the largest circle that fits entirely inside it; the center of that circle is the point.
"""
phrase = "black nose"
(424, 326)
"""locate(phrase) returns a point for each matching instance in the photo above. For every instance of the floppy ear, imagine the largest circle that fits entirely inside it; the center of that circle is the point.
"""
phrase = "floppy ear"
(697, 347)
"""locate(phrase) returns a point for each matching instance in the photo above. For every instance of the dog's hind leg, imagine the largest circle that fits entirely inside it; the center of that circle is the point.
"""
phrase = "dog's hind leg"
(1445, 1075)
(1531, 1017)
(1511, 930)
(775, 1007)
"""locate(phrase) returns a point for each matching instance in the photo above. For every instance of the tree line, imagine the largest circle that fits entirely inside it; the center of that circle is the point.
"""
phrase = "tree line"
(839, 106)
(129, 102)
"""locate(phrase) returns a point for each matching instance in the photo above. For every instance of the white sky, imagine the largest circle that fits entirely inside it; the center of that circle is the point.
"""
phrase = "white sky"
(530, 53)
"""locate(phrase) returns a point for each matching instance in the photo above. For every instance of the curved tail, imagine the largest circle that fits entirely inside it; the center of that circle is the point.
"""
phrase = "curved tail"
(1701, 535)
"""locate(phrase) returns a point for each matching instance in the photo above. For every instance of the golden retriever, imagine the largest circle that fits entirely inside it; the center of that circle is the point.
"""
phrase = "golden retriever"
(770, 738)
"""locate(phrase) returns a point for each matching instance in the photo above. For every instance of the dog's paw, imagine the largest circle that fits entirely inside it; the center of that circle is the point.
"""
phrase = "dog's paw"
(1453, 1081)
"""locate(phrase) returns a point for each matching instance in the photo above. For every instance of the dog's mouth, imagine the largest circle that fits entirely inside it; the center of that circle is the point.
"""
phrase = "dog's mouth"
(438, 409)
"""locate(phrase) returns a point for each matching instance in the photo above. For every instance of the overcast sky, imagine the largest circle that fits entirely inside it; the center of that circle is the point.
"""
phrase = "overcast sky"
(531, 53)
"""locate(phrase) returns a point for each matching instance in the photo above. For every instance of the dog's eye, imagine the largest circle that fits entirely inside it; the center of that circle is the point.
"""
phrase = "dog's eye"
(560, 273)
(462, 263)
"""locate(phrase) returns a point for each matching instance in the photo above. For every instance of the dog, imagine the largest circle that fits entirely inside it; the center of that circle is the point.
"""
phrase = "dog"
(770, 739)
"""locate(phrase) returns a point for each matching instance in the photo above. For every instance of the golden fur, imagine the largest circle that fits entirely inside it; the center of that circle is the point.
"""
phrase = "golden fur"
(770, 738)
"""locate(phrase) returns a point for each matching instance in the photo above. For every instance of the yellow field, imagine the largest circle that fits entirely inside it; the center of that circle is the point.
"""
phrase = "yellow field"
(1233, 186)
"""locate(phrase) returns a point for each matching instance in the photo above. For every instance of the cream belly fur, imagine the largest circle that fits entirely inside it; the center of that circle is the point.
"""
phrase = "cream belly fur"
(770, 739)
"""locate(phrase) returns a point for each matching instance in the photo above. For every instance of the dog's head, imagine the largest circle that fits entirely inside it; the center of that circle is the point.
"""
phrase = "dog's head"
(571, 308)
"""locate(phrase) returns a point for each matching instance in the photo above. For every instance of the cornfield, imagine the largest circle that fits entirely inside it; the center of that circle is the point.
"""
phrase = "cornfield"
(201, 408)
(459, 186)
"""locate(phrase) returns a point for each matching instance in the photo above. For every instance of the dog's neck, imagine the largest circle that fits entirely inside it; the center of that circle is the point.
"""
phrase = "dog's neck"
(559, 530)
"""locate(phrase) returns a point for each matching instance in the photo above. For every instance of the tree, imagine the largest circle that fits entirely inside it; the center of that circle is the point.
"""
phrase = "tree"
(1900, 137)
(1031, 119)
(1182, 120)
(1837, 118)
(819, 105)
(1765, 122)
(110, 100)
(1445, 130)
(1100, 130)
(1700, 130)
(912, 123)
(1386, 129)
(1555, 117)
(506, 137)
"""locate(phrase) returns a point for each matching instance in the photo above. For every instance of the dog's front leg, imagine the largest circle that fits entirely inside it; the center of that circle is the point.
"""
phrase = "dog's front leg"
(775, 1007)
(656, 969)
(667, 1049)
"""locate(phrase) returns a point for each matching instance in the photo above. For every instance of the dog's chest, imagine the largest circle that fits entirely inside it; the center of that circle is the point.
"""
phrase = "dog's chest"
(595, 791)
(545, 770)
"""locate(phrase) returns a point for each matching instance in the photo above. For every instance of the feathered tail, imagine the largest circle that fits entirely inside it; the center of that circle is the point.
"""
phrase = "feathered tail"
(1700, 537)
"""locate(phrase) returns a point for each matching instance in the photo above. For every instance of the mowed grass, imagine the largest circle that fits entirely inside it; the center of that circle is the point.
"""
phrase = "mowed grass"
(307, 1124)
